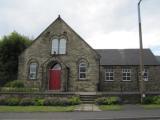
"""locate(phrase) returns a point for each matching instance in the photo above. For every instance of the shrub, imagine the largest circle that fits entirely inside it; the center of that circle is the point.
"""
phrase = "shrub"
(107, 100)
(12, 101)
(26, 101)
(74, 100)
(15, 84)
(39, 102)
(62, 101)
(148, 100)
(156, 99)
(49, 101)
(57, 102)
(100, 101)
(3, 101)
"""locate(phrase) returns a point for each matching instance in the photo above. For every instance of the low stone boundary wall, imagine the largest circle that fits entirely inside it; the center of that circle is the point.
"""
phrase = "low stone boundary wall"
(126, 97)
(37, 94)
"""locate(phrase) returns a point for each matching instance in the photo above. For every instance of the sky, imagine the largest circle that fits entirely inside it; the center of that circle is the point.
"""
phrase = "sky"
(104, 24)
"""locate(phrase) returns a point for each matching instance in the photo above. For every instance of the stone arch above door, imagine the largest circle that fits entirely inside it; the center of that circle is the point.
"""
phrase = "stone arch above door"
(49, 64)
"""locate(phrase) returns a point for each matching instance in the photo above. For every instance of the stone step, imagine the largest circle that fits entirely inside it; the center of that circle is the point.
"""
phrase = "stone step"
(84, 99)
(88, 102)
(88, 98)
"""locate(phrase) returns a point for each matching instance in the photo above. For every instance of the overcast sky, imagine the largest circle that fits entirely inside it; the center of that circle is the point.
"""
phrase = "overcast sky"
(109, 24)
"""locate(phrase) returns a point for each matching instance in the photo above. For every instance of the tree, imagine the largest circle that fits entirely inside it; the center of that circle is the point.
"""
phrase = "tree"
(11, 46)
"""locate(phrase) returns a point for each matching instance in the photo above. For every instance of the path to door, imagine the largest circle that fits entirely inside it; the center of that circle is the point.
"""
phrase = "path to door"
(87, 107)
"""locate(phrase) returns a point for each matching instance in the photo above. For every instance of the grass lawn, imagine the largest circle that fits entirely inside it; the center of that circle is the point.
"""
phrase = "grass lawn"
(36, 109)
(110, 107)
(151, 106)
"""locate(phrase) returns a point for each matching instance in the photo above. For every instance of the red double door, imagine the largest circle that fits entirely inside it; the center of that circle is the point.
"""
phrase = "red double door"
(54, 79)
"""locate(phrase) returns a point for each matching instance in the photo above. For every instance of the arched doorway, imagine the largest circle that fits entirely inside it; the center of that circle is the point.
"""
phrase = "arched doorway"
(55, 77)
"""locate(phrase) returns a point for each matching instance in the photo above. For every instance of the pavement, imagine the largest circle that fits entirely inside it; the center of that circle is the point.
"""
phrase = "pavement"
(129, 112)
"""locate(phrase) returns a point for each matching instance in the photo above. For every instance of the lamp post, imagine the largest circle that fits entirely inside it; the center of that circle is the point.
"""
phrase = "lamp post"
(141, 83)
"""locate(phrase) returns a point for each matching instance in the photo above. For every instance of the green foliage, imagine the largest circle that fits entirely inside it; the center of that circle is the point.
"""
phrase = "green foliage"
(12, 101)
(3, 101)
(156, 100)
(151, 100)
(11, 47)
(39, 102)
(15, 84)
(56, 101)
(74, 100)
(148, 100)
(62, 101)
(107, 100)
(100, 101)
(26, 101)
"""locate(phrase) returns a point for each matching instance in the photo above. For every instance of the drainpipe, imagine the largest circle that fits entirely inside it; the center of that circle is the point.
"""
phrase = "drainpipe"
(67, 83)
(99, 83)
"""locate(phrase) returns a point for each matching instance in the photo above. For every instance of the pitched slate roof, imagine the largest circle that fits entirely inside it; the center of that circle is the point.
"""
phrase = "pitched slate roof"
(125, 57)
(158, 59)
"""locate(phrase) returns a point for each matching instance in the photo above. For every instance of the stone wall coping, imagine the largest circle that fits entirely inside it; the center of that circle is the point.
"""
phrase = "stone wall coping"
(79, 93)
(40, 93)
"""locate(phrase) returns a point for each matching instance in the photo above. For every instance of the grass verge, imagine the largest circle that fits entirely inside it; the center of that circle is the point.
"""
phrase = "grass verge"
(151, 106)
(110, 107)
(36, 109)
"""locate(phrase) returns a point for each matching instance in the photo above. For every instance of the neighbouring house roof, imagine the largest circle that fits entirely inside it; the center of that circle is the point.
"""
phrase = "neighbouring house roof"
(158, 59)
(126, 57)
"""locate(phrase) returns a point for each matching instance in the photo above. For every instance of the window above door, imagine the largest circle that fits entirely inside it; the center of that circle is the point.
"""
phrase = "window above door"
(58, 46)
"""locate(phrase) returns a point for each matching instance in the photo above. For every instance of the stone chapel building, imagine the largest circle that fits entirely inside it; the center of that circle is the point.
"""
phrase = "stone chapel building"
(60, 60)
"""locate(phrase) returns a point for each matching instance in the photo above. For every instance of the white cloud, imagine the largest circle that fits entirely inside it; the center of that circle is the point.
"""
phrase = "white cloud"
(102, 23)
(114, 40)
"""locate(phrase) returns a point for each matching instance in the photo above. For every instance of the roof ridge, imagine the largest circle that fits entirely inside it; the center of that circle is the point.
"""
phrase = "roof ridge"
(125, 49)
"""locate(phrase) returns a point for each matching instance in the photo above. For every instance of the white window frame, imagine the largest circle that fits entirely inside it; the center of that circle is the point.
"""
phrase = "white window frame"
(110, 75)
(33, 73)
(80, 72)
(126, 71)
(58, 48)
(146, 74)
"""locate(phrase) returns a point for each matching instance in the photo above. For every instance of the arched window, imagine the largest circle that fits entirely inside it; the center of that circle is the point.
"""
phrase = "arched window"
(82, 70)
(58, 46)
(33, 71)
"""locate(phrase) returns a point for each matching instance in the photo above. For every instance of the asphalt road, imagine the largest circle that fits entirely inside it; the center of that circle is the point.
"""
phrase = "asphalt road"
(103, 115)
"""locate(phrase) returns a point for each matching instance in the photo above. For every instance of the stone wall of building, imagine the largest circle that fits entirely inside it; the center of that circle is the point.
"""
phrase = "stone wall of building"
(153, 83)
(76, 50)
(118, 85)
